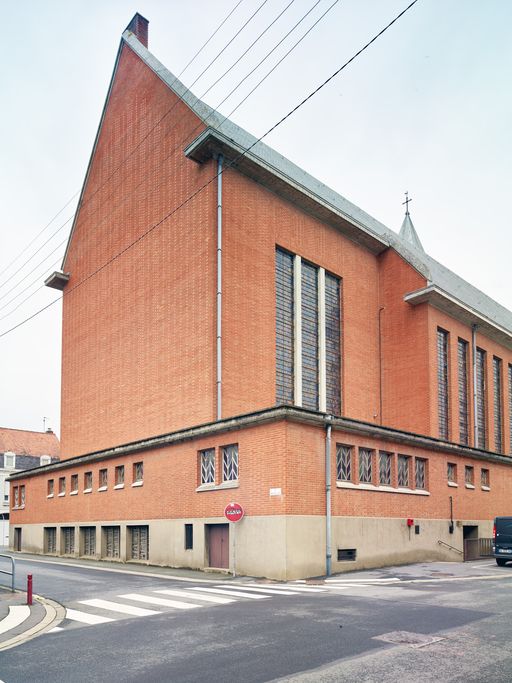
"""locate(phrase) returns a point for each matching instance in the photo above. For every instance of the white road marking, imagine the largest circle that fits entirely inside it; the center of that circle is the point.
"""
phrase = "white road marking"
(157, 601)
(17, 615)
(237, 594)
(85, 618)
(368, 580)
(196, 596)
(261, 590)
(117, 607)
(286, 587)
(55, 629)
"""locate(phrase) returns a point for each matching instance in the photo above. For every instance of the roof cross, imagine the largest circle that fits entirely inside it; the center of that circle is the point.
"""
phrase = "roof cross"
(407, 200)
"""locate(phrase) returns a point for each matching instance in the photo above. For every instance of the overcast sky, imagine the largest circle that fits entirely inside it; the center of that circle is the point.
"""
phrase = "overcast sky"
(426, 109)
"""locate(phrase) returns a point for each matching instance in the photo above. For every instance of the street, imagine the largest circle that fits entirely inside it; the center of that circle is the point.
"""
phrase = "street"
(428, 622)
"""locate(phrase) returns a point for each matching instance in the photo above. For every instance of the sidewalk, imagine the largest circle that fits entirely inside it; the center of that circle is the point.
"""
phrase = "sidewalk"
(20, 622)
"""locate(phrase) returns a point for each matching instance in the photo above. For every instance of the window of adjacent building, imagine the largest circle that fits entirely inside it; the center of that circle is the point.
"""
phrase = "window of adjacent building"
(62, 486)
(462, 362)
(74, 483)
(9, 461)
(385, 468)
(50, 539)
(207, 464)
(403, 471)
(50, 487)
(452, 472)
(365, 466)
(87, 481)
(442, 382)
(498, 418)
(16, 497)
(103, 479)
(230, 463)
(119, 473)
(139, 537)
(138, 472)
(45, 460)
(484, 478)
(469, 475)
(284, 328)
(189, 536)
(112, 541)
(343, 462)
(22, 495)
(420, 473)
(308, 332)
(88, 540)
(481, 398)
(68, 540)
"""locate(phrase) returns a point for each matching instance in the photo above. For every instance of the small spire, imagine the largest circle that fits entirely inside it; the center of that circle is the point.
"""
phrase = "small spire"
(407, 231)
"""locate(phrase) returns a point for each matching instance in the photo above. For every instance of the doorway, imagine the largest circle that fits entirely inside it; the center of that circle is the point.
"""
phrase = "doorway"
(17, 538)
(217, 537)
(471, 545)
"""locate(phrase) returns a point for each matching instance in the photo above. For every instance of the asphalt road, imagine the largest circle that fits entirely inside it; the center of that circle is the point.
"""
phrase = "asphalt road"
(331, 635)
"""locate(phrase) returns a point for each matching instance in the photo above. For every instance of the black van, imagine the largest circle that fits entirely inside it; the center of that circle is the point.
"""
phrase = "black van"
(502, 533)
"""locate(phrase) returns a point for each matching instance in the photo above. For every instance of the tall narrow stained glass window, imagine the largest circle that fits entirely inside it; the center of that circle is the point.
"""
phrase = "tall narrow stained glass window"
(442, 382)
(284, 327)
(309, 314)
(332, 344)
(481, 398)
(498, 419)
(462, 362)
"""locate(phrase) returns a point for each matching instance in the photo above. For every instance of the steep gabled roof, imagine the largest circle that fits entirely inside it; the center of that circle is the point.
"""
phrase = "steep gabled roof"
(444, 289)
(23, 442)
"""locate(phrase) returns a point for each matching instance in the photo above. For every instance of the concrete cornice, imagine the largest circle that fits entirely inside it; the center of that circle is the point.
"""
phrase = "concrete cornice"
(289, 413)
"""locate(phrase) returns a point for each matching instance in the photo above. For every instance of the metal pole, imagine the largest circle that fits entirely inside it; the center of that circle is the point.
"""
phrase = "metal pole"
(29, 589)
(233, 525)
(328, 550)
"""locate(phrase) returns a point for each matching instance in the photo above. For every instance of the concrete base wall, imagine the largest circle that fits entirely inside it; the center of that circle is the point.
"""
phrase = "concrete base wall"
(279, 547)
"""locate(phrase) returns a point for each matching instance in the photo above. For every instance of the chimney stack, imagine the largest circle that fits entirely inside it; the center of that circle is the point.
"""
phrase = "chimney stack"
(139, 27)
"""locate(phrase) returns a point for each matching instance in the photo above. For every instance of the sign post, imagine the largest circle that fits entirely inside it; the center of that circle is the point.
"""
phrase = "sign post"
(233, 512)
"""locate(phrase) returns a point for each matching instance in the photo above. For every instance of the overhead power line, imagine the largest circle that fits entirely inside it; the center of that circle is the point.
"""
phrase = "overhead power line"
(214, 177)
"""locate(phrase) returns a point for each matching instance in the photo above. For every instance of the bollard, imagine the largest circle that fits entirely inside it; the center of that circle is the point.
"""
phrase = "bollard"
(29, 589)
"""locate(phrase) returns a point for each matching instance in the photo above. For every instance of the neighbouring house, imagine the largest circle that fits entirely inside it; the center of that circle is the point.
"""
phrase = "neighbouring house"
(236, 331)
(21, 450)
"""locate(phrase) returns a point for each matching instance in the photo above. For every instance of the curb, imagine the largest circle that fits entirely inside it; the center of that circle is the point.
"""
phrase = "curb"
(54, 614)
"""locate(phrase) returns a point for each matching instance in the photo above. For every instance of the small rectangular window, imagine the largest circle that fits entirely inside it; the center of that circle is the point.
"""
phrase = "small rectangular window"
(88, 481)
(74, 483)
(403, 471)
(207, 460)
(189, 536)
(9, 461)
(120, 475)
(16, 496)
(485, 478)
(421, 473)
(469, 475)
(347, 554)
(385, 468)
(343, 462)
(45, 460)
(452, 472)
(365, 465)
(138, 472)
(103, 478)
(50, 489)
(62, 486)
(230, 463)
(22, 496)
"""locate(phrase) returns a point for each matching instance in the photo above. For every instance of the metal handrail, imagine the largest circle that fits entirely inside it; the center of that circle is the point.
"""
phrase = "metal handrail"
(451, 547)
(12, 573)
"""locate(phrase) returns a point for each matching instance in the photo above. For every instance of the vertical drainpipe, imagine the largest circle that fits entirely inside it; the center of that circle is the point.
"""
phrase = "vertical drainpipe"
(475, 402)
(220, 159)
(328, 549)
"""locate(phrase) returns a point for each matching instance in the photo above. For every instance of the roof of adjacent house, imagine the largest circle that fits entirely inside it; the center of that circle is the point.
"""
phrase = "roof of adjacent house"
(23, 442)
(444, 289)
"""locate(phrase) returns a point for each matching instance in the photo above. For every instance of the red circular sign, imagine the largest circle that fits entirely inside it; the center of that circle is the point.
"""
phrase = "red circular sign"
(233, 512)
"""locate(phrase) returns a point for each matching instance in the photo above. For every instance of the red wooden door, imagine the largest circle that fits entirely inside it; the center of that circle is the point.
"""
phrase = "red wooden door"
(218, 545)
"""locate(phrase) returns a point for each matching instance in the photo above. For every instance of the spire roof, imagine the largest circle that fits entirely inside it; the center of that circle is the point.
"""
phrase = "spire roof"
(409, 234)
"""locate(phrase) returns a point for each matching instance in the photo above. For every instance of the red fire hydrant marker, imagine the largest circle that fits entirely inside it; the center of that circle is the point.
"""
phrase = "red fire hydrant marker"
(29, 589)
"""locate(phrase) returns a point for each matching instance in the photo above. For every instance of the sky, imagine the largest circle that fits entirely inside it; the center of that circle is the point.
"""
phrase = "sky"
(426, 109)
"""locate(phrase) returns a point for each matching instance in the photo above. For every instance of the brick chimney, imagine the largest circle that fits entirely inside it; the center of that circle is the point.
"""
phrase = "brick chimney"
(139, 27)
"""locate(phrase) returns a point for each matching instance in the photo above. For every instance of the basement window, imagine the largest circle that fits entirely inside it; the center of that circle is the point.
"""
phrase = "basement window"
(347, 554)
(189, 536)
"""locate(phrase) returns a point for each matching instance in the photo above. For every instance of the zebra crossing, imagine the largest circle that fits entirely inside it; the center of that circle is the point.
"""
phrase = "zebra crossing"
(94, 611)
